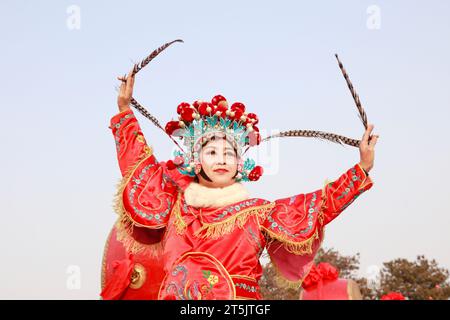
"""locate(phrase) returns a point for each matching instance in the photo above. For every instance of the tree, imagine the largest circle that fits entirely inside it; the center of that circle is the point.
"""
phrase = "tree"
(421, 279)
(417, 280)
(348, 267)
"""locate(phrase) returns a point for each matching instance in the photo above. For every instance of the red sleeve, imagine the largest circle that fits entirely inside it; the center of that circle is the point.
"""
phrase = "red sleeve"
(146, 194)
(296, 224)
(130, 142)
(340, 193)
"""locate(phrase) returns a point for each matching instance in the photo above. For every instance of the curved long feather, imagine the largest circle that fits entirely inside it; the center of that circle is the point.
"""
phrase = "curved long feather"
(336, 138)
(362, 114)
(151, 56)
(138, 67)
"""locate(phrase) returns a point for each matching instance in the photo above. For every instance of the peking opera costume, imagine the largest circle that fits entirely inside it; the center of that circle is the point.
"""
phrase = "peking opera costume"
(177, 239)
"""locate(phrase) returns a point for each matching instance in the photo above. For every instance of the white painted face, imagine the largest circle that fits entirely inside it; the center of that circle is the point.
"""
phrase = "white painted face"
(219, 161)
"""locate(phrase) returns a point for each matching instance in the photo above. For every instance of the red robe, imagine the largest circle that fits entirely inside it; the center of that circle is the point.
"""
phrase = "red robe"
(162, 248)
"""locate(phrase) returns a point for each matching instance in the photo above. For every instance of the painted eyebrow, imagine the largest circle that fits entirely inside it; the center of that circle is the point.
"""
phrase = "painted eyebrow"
(211, 147)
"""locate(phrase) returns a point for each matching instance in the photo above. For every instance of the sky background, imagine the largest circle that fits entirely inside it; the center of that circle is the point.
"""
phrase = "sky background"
(57, 91)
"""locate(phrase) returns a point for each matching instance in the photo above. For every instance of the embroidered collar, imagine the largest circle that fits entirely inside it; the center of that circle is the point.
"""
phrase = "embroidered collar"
(200, 196)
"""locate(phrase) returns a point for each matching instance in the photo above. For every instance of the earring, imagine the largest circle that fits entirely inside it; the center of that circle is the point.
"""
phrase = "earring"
(198, 168)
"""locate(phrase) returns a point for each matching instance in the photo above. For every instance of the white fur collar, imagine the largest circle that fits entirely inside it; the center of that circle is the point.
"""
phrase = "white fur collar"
(200, 196)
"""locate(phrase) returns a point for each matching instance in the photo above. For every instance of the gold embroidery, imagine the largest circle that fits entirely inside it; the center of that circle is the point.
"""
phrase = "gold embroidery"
(242, 277)
(140, 138)
(218, 229)
(180, 224)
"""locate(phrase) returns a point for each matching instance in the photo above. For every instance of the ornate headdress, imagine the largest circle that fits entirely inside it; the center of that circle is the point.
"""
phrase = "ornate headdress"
(199, 121)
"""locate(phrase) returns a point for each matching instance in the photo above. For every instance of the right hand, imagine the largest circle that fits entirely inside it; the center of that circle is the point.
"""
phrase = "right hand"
(126, 91)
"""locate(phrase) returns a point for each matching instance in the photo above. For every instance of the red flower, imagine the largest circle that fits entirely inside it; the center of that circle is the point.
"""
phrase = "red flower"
(327, 271)
(256, 173)
(171, 126)
(322, 272)
(393, 296)
(182, 106)
(312, 279)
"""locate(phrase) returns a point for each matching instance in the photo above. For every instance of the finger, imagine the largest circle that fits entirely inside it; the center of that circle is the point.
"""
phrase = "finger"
(373, 141)
(132, 81)
(122, 88)
(129, 89)
(366, 135)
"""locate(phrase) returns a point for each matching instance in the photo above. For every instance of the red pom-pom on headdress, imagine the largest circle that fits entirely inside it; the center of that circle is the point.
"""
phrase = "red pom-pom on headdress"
(256, 173)
(206, 109)
(171, 126)
(182, 106)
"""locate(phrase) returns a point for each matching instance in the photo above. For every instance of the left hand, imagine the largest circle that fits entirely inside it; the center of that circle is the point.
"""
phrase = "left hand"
(367, 148)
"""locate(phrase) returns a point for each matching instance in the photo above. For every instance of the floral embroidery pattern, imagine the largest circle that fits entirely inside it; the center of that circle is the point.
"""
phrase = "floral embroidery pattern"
(174, 286)
(246, 287)
(351, 184)
(117, 126)
(211, 278)
(180, 289)
(352, 199)
(255, 239)
(137, 182)
(311, 211)
(237, 208)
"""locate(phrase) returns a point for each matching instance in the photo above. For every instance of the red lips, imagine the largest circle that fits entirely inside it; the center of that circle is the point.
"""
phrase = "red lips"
(221, 170)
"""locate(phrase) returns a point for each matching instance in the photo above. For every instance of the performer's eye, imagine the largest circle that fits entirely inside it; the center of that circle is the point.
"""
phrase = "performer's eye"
(212, 152)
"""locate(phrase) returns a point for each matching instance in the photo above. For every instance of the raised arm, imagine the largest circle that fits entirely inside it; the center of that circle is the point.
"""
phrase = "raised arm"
(130, 142)
(295, 225)
(145, 195)
(339, 194)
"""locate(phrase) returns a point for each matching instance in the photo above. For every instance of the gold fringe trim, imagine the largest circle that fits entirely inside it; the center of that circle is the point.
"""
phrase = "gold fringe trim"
(281, 281)
(284, 283)
(295, 247)
(216, 230)
(124, 231)
(305, 246)
(179, 223)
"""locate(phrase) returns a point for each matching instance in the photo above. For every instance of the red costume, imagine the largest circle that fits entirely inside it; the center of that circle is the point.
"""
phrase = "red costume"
(163, 247)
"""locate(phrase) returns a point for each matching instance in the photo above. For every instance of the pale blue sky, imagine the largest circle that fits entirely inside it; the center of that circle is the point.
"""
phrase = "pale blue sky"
(58, 161)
